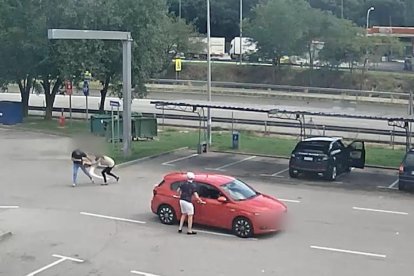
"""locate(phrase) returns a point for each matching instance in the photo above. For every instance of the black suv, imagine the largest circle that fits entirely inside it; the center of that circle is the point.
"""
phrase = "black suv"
(406, 172)
(327, 156)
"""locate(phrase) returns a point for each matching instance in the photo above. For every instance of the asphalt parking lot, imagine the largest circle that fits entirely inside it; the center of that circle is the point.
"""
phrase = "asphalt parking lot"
(346, 227)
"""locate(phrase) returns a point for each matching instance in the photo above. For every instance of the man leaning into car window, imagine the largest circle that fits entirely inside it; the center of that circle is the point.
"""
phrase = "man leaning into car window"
(186, 191)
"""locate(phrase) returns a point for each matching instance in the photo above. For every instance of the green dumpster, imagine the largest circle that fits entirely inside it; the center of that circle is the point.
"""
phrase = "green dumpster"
(99, 123)
(145, 127)
(109, 130)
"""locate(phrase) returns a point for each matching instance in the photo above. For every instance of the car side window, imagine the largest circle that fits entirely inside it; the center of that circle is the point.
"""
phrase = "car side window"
(207, 191)
(175, 185)
(336, 146)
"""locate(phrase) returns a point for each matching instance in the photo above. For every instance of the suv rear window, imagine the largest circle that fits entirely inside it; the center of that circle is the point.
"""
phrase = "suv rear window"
(409, 159)
(321, 146)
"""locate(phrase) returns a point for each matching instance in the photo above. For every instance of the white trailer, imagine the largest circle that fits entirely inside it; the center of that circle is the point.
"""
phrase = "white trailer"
(217, 47)
(248, 47)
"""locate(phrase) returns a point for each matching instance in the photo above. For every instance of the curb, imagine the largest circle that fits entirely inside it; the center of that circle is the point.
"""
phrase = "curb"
(133, 162)
(5, 235)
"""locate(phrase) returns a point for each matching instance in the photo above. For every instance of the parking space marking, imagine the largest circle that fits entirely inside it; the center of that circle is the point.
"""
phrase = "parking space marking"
(9, 207)
(380, 211)
(143, 273)
(349, 251)
(231, 164)
(289, 200)
(61, 259)
(384, 187)
(179, 159)
(222, 234)
(393, 184)
(276, 174)
(113, 218)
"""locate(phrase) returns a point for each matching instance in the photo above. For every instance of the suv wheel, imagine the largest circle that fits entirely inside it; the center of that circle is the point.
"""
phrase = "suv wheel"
(293, 173)
(401, 186)
(331, 174)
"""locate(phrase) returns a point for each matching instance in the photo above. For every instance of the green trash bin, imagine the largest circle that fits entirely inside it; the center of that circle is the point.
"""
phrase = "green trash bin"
(145, 127)
(98, 124)
(109, 130)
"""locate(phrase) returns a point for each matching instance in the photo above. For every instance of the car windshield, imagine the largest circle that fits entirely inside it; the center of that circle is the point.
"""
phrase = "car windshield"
(239, 190)
(321, 146)
(409, 159)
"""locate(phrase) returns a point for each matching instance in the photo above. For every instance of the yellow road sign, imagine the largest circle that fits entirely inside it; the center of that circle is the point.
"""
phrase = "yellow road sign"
(178, 64)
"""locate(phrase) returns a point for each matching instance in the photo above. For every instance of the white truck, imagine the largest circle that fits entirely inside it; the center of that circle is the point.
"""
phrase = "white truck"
(248, 47)
(217, 47)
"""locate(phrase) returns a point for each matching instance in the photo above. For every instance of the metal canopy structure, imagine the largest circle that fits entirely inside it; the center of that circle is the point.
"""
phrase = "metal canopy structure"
(126, 39)
(285, 113)
(272, 110)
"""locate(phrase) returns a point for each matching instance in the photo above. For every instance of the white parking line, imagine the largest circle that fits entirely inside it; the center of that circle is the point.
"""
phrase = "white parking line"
(289, 200)
(9, 207)
(113, 218)
(349, 251)
(61, 259)
(282, 171)
(143, 273)
(222, 234)
(379, 211)
(179, 159)
(231, 164)
(384, 187)
(393, 184)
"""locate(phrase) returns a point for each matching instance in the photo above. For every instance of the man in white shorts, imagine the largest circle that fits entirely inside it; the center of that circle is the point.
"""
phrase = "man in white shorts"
(186, 191)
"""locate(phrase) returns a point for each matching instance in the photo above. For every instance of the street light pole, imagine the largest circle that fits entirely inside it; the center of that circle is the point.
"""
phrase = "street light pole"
(208, 74)
(368, 12)
(179, 9)
(342, 9)
(241, 31)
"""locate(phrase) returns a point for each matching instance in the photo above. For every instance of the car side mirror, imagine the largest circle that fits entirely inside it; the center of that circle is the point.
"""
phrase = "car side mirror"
(222, 199)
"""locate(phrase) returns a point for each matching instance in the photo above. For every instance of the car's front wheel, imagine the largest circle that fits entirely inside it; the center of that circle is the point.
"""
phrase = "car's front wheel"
(242, 227)
(166, 214)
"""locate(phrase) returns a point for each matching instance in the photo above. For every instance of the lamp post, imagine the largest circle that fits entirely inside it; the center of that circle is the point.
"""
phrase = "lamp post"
(368, 12)
(241, 31)
(179, 9)
(208, 74)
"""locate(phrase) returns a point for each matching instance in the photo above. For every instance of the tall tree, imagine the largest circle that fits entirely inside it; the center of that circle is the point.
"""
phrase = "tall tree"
(277, 28)
(20, 47)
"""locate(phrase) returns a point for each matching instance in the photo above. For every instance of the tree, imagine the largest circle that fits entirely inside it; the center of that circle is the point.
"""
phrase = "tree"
(277, 28)
(343, 43)
(224, 15)
(20, 44)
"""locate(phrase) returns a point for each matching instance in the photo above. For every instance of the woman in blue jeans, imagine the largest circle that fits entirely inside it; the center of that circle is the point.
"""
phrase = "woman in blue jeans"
(79, 158)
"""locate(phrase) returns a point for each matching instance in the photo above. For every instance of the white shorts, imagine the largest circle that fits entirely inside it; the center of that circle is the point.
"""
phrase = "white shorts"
(186, 207)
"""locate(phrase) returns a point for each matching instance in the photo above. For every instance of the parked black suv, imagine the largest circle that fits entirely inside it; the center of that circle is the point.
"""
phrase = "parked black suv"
(406, 172)
(327, 156)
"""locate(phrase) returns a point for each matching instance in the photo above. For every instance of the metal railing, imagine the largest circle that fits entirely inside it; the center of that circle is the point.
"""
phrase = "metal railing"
(268, 89)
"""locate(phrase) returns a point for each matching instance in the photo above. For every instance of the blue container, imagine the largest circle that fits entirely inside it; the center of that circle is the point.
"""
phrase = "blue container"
(11, 113)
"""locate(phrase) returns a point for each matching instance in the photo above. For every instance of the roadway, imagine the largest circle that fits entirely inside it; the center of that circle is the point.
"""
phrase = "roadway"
(346, 227)
(334, 106)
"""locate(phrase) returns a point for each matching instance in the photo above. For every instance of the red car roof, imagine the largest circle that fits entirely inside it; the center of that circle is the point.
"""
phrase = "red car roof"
(211, 178)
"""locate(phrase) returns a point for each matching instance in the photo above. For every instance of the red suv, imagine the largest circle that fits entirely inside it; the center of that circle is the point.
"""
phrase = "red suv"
(230, 204)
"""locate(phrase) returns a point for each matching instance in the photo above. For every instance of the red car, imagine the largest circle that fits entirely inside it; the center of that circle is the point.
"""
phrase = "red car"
(230, 204)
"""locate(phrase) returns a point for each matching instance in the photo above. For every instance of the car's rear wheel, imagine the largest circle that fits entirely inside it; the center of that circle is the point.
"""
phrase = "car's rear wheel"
(401, 185)
(331, 174)
(293, 173)
(242, 227)
(166, 214)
